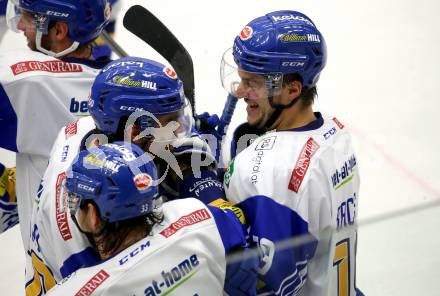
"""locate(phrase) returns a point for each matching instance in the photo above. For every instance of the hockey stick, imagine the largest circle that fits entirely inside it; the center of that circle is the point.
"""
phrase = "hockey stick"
(137, 20)
(142, 23)
(115, 47)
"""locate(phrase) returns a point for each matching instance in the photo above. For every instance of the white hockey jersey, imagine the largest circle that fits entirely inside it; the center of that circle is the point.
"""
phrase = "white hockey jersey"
(57, 248)
(302, 181)
(185, 255)
(38, 95)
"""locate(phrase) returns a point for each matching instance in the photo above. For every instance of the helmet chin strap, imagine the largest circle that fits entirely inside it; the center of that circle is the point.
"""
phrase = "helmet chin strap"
(278, 109)
(39, 37)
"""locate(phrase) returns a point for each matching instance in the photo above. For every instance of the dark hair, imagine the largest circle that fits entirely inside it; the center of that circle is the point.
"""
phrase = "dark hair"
(112, 235)
(307, 96)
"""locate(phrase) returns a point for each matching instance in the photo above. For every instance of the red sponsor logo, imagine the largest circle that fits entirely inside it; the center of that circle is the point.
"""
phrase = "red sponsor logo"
(93, 283)
(61, 208)
(246, 33)
(142, 181)
(71, 129)
(170, 72)
(188, 220)
(338, 123)
(302, 164)
(55, 66)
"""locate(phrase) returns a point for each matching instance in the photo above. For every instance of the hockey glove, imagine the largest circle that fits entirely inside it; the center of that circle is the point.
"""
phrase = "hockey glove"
(207, 127)
(8, 199)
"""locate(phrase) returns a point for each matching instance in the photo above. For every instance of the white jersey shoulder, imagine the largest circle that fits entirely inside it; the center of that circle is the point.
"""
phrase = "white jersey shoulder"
(54, 236)
(313, 176)
(39, 94)
(183, 256)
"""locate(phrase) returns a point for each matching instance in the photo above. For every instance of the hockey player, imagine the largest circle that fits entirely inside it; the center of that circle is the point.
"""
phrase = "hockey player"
(57, 247)
(179, 248)
(46, 87)
(300, 177)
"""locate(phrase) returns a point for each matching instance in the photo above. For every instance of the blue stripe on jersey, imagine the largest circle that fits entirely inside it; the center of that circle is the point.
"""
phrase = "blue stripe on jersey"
(3, 4)
(283, 270)
(85, 258)
(230, 228)
(8, 123)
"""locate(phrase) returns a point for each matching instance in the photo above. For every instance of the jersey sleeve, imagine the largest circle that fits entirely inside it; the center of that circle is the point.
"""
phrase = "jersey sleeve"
(8, 122)
(286, 266)
(230, 227)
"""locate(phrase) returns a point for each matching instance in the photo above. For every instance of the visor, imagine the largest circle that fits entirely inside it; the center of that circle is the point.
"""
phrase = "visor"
(164, 127)
(238, 82)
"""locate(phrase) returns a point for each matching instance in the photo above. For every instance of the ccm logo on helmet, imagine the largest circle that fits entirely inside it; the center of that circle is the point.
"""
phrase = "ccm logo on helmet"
(293, 64)
(142, 181)
(246, 33)
(132, 109)
(56, 13)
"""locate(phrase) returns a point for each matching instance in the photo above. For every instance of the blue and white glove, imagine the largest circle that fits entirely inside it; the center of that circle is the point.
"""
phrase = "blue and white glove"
(8, 200)
(198, 167)
(207, 127)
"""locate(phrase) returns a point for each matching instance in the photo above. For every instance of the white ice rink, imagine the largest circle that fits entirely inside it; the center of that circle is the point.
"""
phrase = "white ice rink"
(381, 80)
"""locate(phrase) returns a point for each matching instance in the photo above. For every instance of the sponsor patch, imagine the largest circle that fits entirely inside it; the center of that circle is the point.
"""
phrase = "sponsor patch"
(246, 33)
(55, 66)
(266, 143)
(228, 174)
(302, 164)
(184, 221)
(93, 283)
(71, 129)
(61, 208)
(338, 123)
(170, 72)
(142, 181)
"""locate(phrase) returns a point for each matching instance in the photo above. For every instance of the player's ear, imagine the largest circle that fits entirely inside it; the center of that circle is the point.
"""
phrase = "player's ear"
(294, 89)
(61, 31)
(94, 218)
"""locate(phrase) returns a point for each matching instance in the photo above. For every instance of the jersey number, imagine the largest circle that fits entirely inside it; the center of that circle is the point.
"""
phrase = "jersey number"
(43, 278)
(342, 262)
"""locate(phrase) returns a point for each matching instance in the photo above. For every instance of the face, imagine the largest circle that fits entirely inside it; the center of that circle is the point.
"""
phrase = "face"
(252, 89)
(27, 25)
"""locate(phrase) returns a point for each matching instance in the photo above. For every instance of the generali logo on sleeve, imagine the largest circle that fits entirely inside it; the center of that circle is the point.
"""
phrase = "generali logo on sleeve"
(55, 66)
(302, 164)
(188, 220)
(71, 129)
(93, 283)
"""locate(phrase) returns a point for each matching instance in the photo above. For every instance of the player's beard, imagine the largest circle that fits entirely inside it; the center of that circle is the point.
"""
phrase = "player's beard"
(45, 43)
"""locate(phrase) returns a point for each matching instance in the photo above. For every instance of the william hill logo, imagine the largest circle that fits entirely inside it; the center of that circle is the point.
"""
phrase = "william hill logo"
(300, 38)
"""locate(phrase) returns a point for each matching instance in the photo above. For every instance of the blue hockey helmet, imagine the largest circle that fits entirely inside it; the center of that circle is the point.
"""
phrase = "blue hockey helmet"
(86, 19)
(118, 177)
(273, 45)
(137, 85)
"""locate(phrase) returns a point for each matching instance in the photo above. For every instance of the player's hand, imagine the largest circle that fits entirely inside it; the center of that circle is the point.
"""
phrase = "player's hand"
(207, 127)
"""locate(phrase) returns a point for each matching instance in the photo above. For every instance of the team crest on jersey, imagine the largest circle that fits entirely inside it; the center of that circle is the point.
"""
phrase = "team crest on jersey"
(142, 181)
(302, 164)
(184, 221)
(55, 66)
(93, 283)
(246, 33)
